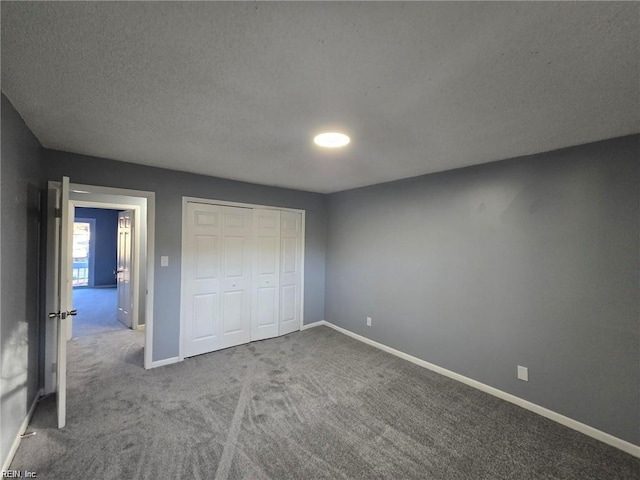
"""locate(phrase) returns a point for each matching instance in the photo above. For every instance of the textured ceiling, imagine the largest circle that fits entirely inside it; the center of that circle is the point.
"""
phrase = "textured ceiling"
(238, 90)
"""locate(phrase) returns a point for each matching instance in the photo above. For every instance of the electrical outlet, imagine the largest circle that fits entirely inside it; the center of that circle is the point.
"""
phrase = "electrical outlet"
(523, 373)
(368, 321)
(164, 261)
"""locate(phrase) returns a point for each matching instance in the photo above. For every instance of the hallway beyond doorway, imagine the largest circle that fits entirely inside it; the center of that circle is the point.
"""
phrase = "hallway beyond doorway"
(97, 311)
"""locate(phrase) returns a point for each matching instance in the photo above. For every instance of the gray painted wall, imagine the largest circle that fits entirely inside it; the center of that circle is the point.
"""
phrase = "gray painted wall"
(170, 186)
(532, 261)
(20, 186)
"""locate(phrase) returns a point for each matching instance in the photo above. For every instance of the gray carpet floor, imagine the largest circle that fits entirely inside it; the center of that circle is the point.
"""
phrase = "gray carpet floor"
(309, 405)
(97, 311)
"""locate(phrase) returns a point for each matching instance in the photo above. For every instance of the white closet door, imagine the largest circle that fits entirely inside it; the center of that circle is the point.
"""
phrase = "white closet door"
(266, 273)
(290, 272)
(218, 278)
(236, 276)
(202, 270)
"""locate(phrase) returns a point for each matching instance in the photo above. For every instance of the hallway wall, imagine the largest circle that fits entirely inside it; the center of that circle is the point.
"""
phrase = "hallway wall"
(21, 183)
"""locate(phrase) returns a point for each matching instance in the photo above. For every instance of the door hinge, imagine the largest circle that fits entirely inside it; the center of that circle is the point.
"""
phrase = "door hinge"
(58, 213)
(54, 367)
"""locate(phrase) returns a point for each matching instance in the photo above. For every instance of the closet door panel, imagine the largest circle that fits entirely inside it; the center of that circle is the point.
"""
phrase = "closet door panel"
(266, 274)
(288, 304)
(267, 304)
(232, 312)
(236, 276)
(201, 279)
(290, 272)
(204, 316)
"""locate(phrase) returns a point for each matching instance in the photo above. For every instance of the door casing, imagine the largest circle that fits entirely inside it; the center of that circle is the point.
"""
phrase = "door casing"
(105, 197)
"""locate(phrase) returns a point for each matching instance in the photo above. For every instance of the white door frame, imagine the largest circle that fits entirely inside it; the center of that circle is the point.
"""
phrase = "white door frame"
(151, 222)
(183, 273)
(150, 264)
(135, 256)
(52, 272)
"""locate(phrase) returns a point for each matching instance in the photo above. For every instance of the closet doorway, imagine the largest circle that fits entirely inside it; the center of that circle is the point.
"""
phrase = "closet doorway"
(242, 274)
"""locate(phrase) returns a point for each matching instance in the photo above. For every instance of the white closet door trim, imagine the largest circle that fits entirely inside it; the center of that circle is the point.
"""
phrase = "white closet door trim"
(183, 275)
(224, 203)
(185, 202)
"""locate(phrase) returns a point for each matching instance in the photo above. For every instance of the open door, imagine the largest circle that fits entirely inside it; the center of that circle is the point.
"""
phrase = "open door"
(124, 272)
(61, 292)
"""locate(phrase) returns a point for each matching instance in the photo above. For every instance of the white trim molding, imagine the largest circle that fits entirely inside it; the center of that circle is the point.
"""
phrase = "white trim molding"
(319, 323)
(23, 428)
(166, 361)
(604, 437)
(211, 201)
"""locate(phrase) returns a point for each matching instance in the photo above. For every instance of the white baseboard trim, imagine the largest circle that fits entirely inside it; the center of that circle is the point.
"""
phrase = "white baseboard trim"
(312, 325)
(166, 361)
(23, 428)
(545, 412)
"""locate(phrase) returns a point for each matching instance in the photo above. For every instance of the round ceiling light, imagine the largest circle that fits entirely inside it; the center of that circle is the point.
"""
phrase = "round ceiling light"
(331, 140)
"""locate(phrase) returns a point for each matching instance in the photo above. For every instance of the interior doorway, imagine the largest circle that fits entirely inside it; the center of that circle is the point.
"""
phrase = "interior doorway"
(141, 204)
(103, 270)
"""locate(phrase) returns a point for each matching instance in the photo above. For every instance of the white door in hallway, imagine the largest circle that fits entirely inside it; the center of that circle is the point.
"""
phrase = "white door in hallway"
(290, 272)
(59, 285)
(216, 278)
(124, 267)
(265, 298)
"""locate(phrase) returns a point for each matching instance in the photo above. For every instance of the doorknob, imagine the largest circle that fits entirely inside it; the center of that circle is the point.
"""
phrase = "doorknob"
(63, 315)
(120, 270)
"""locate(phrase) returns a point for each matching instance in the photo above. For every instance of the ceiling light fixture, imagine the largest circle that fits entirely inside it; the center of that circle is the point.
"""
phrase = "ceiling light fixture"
(331, 140)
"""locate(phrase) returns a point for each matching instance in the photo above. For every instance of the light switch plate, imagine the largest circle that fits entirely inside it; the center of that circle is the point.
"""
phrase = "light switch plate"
(523, 373)
(164, 261)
